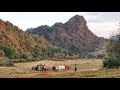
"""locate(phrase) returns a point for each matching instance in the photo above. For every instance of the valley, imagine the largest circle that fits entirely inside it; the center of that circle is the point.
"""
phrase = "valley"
(62, 44)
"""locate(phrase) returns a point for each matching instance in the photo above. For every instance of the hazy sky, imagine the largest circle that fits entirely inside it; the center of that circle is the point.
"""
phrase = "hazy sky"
(100, 23)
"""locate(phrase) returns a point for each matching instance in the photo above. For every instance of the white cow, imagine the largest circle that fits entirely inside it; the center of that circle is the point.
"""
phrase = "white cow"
(59, 68)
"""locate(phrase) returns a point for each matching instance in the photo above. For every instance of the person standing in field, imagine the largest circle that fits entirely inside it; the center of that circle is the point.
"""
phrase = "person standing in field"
(75, 68)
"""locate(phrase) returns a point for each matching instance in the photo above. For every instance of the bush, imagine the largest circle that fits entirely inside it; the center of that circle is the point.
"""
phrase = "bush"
(14, 56)
(7, 50)
(112, 62)
(25, 56)
(85, 55)
(113, 50)
(89, 56)
(101, 56)
(6, 63)
(70, 53)
(37, 51)
(1, 37)
(2, 54)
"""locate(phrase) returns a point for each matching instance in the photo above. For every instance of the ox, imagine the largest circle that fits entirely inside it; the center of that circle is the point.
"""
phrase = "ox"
(58, 68)
(39, 68)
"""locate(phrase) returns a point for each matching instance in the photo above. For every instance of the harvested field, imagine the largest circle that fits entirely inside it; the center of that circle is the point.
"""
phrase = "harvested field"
(23, 70)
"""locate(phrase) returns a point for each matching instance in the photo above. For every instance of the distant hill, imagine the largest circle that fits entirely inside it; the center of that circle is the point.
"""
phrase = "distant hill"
(21, 41)
(14, 37)
(73, 35)
(115, 37)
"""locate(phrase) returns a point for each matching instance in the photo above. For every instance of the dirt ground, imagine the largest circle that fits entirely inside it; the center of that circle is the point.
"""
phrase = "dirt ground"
(29, 75)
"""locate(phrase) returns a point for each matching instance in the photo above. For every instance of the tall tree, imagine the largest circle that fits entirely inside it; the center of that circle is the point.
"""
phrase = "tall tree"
(113, 50)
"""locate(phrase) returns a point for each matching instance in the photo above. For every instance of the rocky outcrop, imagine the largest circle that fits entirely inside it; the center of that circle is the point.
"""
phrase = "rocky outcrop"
(73, 35)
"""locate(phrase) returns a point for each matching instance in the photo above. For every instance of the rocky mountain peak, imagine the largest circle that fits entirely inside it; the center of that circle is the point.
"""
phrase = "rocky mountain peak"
(76, 20)
(73, 35)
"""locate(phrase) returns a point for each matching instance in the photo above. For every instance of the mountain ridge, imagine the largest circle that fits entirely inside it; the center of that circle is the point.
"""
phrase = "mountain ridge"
(73, 35)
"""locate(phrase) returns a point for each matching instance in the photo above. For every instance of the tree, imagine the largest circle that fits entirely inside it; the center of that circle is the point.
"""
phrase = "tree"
(49, 52)
(57, 50)
(37, 51)
(112, 62)
(89, 56)
(70, 53)
(7, 50)
(85, 55)
(24, 56)
(14, 56)
(100, 56)
(65, 53)
(114, 44)
(113, 50)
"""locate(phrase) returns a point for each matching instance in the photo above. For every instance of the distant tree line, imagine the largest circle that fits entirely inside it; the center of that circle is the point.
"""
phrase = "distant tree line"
(41, 53)
(88, 55)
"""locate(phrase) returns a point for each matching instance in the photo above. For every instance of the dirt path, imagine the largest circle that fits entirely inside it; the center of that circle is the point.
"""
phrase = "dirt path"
(40, 73)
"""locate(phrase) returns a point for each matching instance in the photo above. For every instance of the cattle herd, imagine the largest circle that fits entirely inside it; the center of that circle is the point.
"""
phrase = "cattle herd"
(54, 68)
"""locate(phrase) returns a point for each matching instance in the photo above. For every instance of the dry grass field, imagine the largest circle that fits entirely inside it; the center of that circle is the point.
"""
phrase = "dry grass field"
(87, 68)
(89, 73)
(81, 63)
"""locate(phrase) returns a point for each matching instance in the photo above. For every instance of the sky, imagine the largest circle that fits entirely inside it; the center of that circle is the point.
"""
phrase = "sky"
(101, 24)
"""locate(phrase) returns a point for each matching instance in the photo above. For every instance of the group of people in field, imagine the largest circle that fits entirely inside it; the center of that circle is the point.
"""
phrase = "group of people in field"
(54, 68)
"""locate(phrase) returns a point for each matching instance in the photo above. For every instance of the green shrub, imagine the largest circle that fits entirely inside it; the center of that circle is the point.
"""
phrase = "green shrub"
(7, 50)
(101, 56)
(14, 56)
(89, 56)
(84, 55)
(112, 62)
(44, 57)
(70, 53)
(6, 63)
(1, 37)
(23, 56)
(113, 51)
(2, 54)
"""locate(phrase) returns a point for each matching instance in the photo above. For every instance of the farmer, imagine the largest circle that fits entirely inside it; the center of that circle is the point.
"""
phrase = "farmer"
(75, 68)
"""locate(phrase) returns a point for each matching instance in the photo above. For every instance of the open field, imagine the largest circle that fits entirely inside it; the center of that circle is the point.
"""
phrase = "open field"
(81, 63)
(87, 73)
(87, 68)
